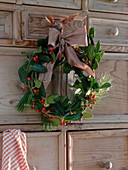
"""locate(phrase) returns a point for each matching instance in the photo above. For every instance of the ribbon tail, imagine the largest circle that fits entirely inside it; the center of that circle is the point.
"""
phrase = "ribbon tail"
(73, 60)
(45, 78)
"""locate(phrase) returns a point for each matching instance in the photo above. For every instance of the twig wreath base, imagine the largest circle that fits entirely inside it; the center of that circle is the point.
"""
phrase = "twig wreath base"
(56, 110)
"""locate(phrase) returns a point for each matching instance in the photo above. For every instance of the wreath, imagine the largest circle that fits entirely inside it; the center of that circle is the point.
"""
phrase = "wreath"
(75, 51)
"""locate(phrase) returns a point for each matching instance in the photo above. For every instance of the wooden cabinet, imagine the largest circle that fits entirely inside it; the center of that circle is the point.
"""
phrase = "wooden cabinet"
(90, 150)
(21, 23)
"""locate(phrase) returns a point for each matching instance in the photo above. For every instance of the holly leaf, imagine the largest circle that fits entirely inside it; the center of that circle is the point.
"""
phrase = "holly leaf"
(91, 32)
(51, 99)
(73, 117)
(44, 58)
(37, 83)
(106, 85)
(90, 51)
(95, 64)
(87, 116)
(98, 46)
(38, 68)
(22, 74)
(42, 91)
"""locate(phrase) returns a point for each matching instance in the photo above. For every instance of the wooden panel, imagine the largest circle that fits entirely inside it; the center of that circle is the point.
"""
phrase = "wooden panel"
(110, 32)
(73, 4)
(87, 150)
(120, 6)
(117, 100)
(10, 93)
(5, 25)
(44, 150)
(36, 26)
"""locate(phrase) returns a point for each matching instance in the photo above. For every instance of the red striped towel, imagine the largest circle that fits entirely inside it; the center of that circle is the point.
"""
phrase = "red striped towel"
(14, 150)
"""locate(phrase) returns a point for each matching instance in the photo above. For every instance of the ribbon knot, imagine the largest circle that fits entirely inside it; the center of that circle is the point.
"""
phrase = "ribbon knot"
(65, 39)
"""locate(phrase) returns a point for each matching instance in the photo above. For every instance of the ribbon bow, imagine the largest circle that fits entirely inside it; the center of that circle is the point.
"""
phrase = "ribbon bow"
(60, 35)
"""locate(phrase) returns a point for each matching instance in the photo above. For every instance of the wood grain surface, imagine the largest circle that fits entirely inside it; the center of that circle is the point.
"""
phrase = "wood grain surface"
(87, 150)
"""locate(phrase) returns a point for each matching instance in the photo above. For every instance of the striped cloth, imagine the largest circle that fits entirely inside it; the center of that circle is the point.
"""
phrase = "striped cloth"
(14, 150)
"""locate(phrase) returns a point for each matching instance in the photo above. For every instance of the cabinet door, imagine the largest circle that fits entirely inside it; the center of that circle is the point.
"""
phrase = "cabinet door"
(45, 151)
(73, 4)
(91, 150)
(117, 6)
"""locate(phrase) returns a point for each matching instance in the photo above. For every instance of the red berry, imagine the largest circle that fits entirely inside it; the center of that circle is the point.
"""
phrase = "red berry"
(90, 98)
(51, 118)
(94, 96)
(90, 94)
(29, 78)
(42, 101)
(51, 48)
(36, 57)
(88, 104)
(48, 111)
(61, 121)
(32, 108)
(25, 88)
(78, 50)
(33, 103)
(50, 52)
(38, 111)
(61, 124)
(64, 124)
(44, 109)
(94, 102)
(92, 107)
(45, 115)
(87, 63)
(69, 121)
(35, 91)
(80, 119)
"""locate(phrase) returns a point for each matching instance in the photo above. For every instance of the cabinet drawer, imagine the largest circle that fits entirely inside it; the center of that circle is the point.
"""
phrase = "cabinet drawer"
(110, 32)
(36, 26)
(43, 150)
(88, 150)
(120, 6)
(73, 4)
(8, 1)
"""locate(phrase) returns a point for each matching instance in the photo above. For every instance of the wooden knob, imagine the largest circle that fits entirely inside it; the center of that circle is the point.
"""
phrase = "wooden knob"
(107, 165)
(114, 31)
(114, 0)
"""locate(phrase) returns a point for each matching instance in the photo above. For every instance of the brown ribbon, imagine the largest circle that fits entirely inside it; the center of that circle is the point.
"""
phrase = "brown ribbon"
(66, 39)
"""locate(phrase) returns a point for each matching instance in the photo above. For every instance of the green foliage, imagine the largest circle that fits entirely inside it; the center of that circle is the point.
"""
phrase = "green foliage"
(73, 117)
(39, 68)
(54, 108)
(87, 115)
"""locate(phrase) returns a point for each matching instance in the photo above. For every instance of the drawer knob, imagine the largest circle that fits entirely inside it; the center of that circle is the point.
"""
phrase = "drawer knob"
(114, 0)
(114, 31)
(107, 165)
